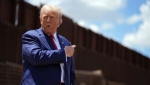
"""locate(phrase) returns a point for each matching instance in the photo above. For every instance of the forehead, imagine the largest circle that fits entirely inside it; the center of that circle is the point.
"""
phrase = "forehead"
(49, 11)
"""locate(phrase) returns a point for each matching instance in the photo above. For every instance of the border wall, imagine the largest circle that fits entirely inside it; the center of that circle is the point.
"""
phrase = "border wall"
(93, 52)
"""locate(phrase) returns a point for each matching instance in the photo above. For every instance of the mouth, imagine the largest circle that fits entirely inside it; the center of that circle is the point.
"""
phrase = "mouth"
(48, 26)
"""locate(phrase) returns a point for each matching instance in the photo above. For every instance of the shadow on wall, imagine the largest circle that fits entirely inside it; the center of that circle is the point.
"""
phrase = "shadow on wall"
(90, 77)
(95, 77)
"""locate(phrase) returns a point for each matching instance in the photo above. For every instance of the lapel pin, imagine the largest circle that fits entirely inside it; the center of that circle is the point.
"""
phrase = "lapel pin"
(62, 42)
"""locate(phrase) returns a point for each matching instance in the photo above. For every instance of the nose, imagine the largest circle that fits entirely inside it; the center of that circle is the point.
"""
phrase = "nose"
(48, 19)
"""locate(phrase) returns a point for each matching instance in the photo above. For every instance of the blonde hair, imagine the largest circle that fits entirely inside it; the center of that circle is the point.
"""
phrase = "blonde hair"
(51, 7)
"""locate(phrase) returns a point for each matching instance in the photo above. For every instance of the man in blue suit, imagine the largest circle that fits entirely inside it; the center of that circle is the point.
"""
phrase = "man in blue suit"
(47, 57)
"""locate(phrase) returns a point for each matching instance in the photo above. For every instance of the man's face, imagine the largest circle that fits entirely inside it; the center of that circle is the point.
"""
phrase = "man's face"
(50, 21)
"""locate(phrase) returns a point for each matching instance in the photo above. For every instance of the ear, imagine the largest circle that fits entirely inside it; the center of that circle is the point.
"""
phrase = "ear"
(40, 20)
(59, 23)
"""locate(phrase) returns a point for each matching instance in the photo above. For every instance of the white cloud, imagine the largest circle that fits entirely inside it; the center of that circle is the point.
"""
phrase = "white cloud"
(94, 28)
(145, 12)
(106, 4)
(106, 26)
(141, 37)
(89, 10)
(39, 2)
(81, 23)
(133, 19)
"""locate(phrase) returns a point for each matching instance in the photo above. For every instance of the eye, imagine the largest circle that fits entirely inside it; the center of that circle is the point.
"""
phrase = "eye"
(45, 17)
(52, 17)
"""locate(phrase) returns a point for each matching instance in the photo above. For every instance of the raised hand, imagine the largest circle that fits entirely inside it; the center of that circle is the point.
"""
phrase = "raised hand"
(70, 50)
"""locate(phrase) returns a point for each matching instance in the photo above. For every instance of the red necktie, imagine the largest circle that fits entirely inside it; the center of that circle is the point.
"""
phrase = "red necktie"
(52, 38)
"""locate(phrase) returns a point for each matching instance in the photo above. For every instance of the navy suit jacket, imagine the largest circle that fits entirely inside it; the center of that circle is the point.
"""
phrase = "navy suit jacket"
(41, 63)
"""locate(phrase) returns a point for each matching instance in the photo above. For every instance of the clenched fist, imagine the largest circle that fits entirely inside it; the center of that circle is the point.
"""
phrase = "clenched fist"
(69, 50)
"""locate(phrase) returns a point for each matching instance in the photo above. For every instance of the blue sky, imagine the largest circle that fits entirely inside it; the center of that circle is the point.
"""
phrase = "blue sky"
(125, 21)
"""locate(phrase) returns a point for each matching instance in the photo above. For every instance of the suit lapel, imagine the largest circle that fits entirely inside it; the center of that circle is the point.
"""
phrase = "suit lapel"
(43, 38)
(61, 42)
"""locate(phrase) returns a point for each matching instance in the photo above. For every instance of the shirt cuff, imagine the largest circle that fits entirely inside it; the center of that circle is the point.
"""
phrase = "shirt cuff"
(66, 55)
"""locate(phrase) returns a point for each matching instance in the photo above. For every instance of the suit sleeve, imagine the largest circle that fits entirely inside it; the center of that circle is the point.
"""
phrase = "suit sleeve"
(36, 56)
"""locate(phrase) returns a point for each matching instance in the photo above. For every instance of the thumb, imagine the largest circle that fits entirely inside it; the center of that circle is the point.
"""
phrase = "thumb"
(73, 46)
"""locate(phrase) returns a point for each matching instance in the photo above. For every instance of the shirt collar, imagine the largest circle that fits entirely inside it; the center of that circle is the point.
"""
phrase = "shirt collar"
(55, 36)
